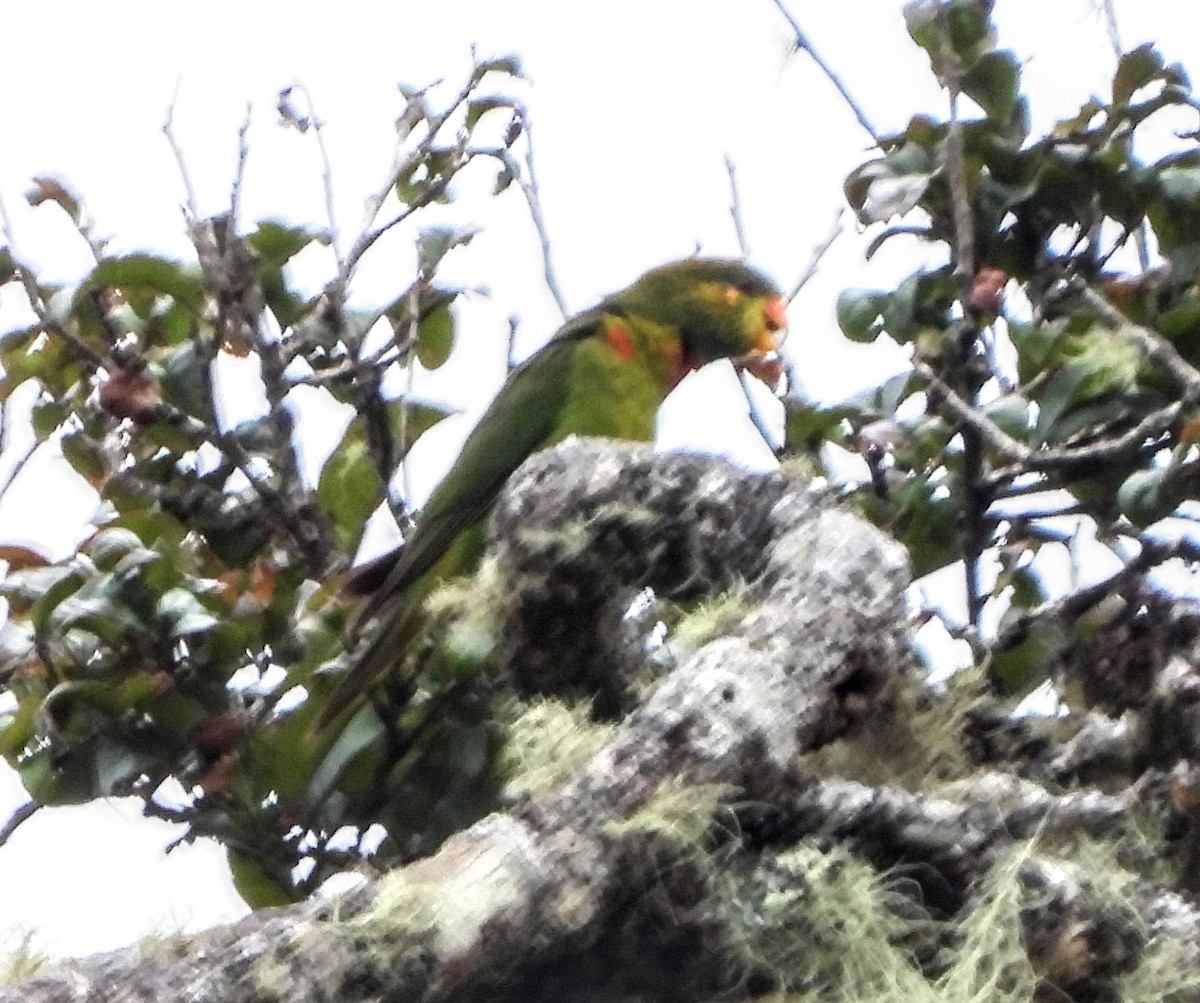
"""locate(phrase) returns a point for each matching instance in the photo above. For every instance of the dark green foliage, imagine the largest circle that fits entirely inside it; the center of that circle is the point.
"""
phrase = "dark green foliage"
(1097, 402)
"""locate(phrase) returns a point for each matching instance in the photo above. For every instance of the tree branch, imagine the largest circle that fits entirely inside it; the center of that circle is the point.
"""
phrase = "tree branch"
(803, 43)
(533, 198)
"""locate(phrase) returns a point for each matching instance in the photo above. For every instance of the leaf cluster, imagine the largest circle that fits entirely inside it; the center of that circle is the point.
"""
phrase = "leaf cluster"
(1052, 384)
(181, 654)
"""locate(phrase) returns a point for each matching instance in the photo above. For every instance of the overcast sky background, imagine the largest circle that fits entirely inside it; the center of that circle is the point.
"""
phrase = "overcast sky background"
(635, 104)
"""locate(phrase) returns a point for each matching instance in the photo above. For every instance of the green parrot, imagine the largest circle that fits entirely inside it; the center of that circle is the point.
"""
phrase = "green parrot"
(604, 373)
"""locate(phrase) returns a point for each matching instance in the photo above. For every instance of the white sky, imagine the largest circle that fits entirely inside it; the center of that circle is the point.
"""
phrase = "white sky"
(635, 103)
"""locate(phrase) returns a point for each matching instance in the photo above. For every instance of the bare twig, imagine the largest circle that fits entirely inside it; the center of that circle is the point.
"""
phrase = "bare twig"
(756, 417)
(1064, 459)
(972, 417)
(510, 362)
(402, 164)
(1083, 599)
(803, 42)
(735, 211)
(975, 529)
(1140, 239)
(239, 174)
(193, 206)
(22, 814)
(19, 465)
(818, 253)
(318, 127)
(533, 197)
(735, 208)
(36, 303)
(403, 513)
(1110, 24)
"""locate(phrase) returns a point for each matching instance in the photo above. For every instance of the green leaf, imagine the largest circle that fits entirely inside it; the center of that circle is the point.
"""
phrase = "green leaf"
(256, 887)
(147, 272)
(29, 354)
(508, 173)
(993, 83)
(1030, 658)
(436, 242)
(349, 487)
(276, 242)
(1035, 344)
(8, 266)
(435, 336)
(1146, 496)
(411, 418)
(481, 106)
(87, 457)
(923, 516)
(860, 313)
(184, 614)
(110, 546)
(23, 589)
(1011, 414)
(361, 732)
(968, 26)
(286, 305)
(882, 401)
(1135, 70)
(184, 382)
(509, 65)
(1098, 364)
(900, 310)
(881, 189)
(47, 416)
(808, 425)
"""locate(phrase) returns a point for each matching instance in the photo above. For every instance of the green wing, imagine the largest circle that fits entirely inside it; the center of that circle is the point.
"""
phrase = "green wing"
(522, 417)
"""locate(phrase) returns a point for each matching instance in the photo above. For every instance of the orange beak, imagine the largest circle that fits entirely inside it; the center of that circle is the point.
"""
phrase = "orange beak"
(763, 360)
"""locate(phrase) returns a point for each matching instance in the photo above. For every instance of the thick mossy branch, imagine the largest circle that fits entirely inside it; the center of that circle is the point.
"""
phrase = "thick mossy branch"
(825, 633)
(696, 849)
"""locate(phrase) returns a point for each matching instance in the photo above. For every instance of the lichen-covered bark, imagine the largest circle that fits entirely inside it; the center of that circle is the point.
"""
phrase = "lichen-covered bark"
(657, 871)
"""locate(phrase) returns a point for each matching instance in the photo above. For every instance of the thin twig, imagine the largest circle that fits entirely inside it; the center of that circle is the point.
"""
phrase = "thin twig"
(802, 42)
(818, 253)
(22, 814)
(402, 163)
(533, 198)
(510, 362)
(168, 129)
(239, 173)
(735, 208)
(414, 311)
(1110, 23)
(1081, 600)
(17, 467)
(1033, 515)
(367, 238)
(318, 127)
(1140, 238)
(1145, 435)
(735, 211)
(975, 530)
(36, 303)
(1063, 459)
(972, 417)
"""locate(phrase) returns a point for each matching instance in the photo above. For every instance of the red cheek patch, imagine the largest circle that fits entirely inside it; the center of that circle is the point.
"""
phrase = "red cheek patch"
(618, 338)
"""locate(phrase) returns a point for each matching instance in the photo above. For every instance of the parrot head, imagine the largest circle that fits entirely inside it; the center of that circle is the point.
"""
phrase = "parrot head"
(724, 309)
